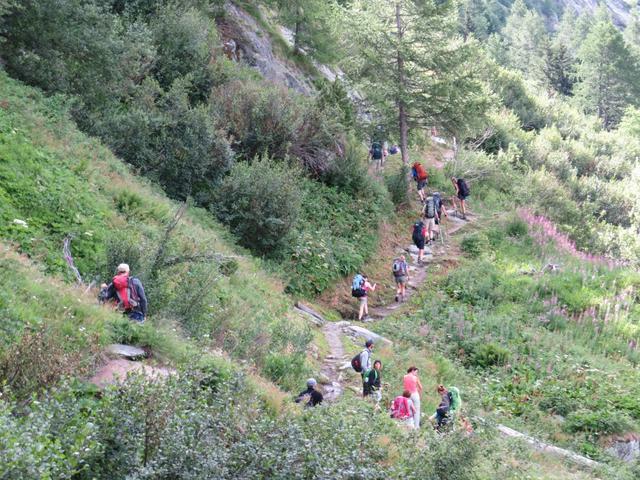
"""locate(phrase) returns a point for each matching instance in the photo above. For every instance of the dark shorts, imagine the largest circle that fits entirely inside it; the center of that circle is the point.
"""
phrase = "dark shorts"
(419, 243)
(422, 184)
(462, 197)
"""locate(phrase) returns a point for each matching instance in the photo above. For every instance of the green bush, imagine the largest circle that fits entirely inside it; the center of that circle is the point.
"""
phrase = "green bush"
(517, 228)
(487, 355)
(398, 186)
(475, 244)
(598, 423)
(260, 202)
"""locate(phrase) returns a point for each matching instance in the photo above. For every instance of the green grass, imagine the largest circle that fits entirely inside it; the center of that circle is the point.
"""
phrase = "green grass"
(64, 184)
(530, 346)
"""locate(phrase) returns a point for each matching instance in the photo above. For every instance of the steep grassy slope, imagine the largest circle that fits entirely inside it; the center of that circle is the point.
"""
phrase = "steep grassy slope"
(62, 184)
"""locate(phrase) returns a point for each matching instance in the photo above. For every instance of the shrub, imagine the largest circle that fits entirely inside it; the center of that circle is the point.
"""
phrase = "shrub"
(598, 423)
(487, 355)
(517, 228)
(475, 244)
(347, 172)
(398, 186)
(260, 202)
(260, 118)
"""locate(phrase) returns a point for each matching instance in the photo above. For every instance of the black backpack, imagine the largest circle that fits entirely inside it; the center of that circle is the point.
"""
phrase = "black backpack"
(355, 363)
(417, 231)
(376, 150)
(430, 208)
(463, 187)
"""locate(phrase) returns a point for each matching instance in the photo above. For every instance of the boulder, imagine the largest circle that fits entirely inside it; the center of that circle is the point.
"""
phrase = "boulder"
(323, 379)
(126, 351)
(310, 314)
(358, 331)
(626, 449)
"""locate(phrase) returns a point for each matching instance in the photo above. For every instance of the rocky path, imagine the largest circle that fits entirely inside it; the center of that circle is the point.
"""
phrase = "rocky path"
(332, 363)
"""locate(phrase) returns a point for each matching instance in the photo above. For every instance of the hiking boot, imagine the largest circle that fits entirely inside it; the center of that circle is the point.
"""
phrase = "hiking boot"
(397, 298)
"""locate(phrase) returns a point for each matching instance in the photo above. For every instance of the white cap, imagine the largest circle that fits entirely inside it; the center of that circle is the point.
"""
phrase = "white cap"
(311, 382)
(123, 268)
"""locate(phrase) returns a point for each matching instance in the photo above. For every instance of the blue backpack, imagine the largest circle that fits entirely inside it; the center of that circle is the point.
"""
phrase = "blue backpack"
(357, 285)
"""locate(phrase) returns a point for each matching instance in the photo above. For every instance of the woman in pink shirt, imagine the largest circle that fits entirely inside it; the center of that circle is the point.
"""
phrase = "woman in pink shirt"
(414, 387)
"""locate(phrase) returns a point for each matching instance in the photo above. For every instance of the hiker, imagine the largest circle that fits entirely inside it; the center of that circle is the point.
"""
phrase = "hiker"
(376, 154)
(462, 192)
(129, 293)
(372, 382)
(418, 235)
(360, 288)
(412, 384)
(441, 416)
(365, 358)
(403, 409)
(419, 174)
(430, 216)
(311, 396)
(394, 150)
(441, 211)
(401, 276)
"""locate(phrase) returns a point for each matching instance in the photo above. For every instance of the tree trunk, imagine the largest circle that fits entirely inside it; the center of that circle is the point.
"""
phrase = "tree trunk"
(296, 34)
(402, 107)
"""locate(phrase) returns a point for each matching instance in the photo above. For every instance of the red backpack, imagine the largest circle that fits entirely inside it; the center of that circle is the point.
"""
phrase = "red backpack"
(128, 297)
(421, 173)
(400, 408)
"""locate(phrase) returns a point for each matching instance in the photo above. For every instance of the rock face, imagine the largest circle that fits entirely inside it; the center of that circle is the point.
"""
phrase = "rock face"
(244, 40)
(619, 9)
(626, 449)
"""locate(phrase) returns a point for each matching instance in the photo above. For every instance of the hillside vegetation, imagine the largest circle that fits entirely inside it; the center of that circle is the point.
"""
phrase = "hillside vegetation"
(147, 132)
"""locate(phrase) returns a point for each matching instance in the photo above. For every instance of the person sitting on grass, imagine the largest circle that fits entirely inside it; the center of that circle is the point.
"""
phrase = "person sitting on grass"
(403, 409)
(311, 396)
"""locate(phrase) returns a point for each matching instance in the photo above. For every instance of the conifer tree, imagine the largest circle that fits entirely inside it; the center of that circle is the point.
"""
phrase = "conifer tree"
(632, 30)
(608, 73)
(524, 35)
(412, 66)
(558, 68)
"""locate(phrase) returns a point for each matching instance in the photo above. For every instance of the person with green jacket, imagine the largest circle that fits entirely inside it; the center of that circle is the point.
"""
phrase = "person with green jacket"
(372, 379)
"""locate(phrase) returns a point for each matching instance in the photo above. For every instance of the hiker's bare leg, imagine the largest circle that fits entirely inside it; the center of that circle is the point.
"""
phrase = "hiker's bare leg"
(463, 208)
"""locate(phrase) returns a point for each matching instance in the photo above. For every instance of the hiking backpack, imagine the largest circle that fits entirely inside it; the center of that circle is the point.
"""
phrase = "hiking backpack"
(128, 298)
(463, 187)
(398, 268)
(437, 200)
(420, 173)
(355, 363)
(418, 231)
(393, 150)
(430, 208)
(357, 286)
(376, 150)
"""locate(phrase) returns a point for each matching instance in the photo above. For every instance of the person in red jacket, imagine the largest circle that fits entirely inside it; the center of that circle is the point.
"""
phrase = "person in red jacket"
(129, 294)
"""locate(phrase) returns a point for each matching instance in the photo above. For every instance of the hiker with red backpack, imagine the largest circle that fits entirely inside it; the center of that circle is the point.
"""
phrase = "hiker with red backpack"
(401, 275)
(420, 175)
(129, 294)
(360, 288)
(462, 192)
